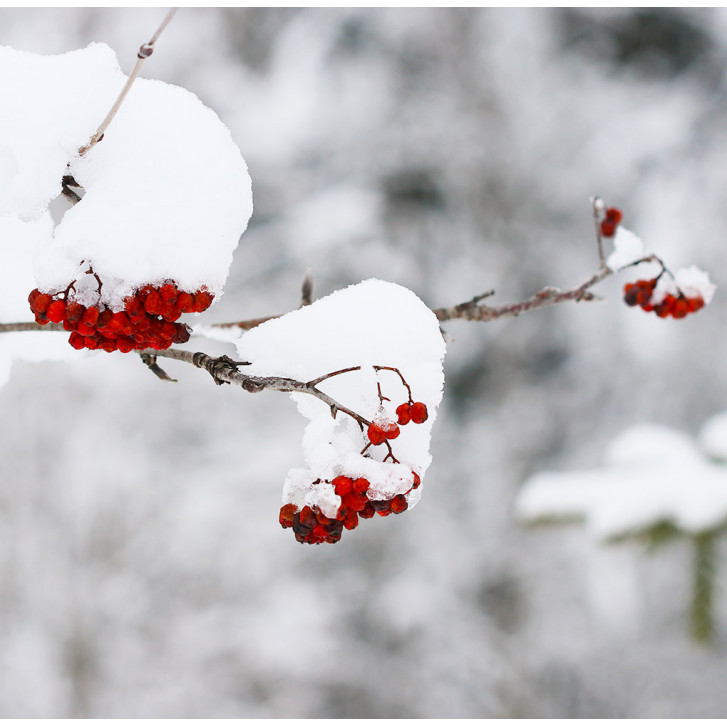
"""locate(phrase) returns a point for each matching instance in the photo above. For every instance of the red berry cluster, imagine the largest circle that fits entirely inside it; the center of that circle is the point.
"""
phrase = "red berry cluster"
(311, 526)
(611, 221)
(381, 430)
(148, 319)
(677, 306)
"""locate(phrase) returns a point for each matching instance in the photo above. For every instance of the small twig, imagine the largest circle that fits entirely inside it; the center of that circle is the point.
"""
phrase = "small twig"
(66, 183)
(144, 52)
(30, 326)
(224, 370)
(598, 208)
(151, 361)
(306, 289)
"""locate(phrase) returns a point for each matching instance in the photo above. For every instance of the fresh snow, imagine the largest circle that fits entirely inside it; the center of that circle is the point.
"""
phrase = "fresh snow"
(167, 193)
(370, 324)
(627, 249)
(652, 475)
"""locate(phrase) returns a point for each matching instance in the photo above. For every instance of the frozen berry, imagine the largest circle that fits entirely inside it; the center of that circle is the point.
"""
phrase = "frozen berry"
(342, 485)
(287, 514)
(399, 504)
(418, 412)
(56, 311)
(403, 414)
(376, 434)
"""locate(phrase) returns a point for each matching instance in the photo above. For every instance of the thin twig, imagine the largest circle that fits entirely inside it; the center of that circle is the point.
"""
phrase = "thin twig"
(225, 371)
(306, 289)
(546, 297)
(145, 51)
(30, 326)
(598, 208)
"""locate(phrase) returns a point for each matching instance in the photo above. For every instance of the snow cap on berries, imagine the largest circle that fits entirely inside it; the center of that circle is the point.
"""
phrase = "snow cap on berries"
(695, 283)
(167, 193)
(627, 249)
(372, 324)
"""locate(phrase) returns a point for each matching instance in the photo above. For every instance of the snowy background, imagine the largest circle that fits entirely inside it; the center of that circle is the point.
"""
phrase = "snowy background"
(143, 572)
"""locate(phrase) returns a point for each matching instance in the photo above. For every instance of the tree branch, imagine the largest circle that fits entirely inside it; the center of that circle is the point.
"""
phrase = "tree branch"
(144, 52)
(225, 371)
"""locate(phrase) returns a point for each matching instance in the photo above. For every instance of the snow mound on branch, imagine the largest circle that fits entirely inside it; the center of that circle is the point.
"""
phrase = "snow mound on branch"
(693, 282)
(654, 475)
(167, 193)
(627, 249)
(373, 323)
(52, 105)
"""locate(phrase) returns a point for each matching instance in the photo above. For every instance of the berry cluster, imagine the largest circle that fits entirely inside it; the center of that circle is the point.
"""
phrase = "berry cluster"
(381, 429)
(148, 319)
(611, 221)
(677, 306)
(311, 526)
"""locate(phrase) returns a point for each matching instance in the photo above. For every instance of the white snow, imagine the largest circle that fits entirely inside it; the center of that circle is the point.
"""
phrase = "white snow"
(167, 197)
(694, 282)
(18, 242)
(167, 193)
(627, 249)
(653, 475)
(51, 107)
(370, 324)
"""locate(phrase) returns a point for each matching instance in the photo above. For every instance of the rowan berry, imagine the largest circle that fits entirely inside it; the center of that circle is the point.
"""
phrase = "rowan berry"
(342, 485)
(403, 414)
(361, 486)
(399, 504)
(376, 434)
(287, 514)
(367, 511)
(56, 311)
(418, 412)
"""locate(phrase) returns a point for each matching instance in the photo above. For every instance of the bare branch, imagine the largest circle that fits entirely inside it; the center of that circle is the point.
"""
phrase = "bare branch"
(225, 371)
(144, 52)
(30, 326)
(472, 311)
(306, 289)
(151, 361)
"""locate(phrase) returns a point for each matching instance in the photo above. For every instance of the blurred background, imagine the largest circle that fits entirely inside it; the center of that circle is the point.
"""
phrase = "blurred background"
(143, 572)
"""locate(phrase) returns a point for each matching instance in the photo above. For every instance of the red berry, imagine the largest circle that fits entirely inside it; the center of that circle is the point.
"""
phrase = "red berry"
(104, 319)
(38, 301)
(90, 316)
(56, 311)
(614, 214)
(354, 502)
(680, 308)
(202, 301)
(361, 486)
(74, 311)
(168, 293)
(76, 340)
(287, 513)
(185, 301)
(417, 480)
(367, 511)
(350, 520)
(608, 228)
(153, 303)
(403, 413)
(342, 485)
(399, 504)
(376, 434)
(308, 518)
(419, 413)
